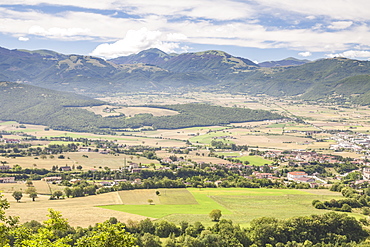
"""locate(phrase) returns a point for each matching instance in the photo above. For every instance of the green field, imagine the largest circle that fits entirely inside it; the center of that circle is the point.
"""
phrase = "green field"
(241, 205)
(253, 160)
(8, 123)
(202, 204)
(208, 138)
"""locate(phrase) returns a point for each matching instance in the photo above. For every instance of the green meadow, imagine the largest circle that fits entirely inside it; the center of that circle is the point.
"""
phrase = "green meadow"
(209, 137)
(240, 205)
(253, 160)
(8, 123)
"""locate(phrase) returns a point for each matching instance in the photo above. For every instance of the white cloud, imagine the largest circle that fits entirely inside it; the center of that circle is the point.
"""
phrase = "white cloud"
(135, 41)
(57, 32)
(23, 39)
(210, 9)
(311, 17)
(176, 37)
(336, 9)
(216, 22)
(340, 25)
(351, 54)
(305, 54)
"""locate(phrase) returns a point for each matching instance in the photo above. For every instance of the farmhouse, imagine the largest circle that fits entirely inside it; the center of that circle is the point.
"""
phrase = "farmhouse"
(11, 140)
(106, 183)
(296, 175)
(305, 180)
(7, 180)
(263, 175)
(4, 168)
(366, 173)
(65, 168)
(137, 181)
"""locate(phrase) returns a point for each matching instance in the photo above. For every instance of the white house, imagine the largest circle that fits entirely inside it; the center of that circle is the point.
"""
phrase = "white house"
(296, 175)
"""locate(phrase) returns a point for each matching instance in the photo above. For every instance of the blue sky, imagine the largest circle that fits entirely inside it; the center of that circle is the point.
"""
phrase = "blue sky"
(260, 30)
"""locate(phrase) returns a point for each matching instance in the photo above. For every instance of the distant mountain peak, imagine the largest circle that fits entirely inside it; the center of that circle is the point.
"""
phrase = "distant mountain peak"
(153, 51)
(290, 61)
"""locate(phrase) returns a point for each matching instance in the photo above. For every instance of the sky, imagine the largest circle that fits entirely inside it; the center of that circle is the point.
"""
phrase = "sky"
(260, 30)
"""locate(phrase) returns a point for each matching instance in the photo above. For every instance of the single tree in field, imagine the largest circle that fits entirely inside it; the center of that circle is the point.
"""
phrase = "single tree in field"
(17, 195)
(215, 215)
(157, 193)
(150, 201)
(29, 183)
(58, 194)
(68, 192)
(31, 191)
(33, 195)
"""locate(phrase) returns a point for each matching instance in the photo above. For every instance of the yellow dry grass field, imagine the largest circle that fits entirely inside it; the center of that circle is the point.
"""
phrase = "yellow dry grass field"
(132, 138)
(166, 197)
(202, 157)
(80, 211)
(138, 197)
(279, 142)
(128, 111)
(41, 187)
(157, 112)
(94, 160)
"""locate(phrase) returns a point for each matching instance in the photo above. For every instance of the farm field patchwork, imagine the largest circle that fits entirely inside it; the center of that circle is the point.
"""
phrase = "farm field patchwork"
(81, 211)
(41, 187)
(200, 204)
(238, 204)
(88, 160)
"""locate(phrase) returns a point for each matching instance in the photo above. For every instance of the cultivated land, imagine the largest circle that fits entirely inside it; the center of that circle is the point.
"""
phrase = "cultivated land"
(88, 161)
(239, 205)
(264, 134)
(107, 110)
(82, 211)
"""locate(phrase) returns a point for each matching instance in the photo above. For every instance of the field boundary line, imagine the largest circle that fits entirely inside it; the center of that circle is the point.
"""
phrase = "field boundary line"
(119, 198)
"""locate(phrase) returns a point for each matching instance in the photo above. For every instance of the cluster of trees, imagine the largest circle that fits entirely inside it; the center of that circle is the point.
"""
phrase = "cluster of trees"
(353, 199)
(206, 115)
(10, 150)
(62, 111)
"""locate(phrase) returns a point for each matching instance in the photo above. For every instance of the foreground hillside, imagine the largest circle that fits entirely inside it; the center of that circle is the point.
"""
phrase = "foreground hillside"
(339, 79)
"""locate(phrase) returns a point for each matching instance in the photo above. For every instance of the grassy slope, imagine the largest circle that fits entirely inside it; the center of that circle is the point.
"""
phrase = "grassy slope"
(238, 204)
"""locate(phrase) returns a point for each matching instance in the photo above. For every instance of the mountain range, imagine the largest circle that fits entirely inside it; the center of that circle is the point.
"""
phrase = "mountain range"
(335, 78)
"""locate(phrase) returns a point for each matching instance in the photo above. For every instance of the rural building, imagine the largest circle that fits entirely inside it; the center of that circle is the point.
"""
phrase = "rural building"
(218, 182)
(137, 181)
(263, 175)
(4, 168)
(65, 168)
(11, 140)
(305, 180)
(52, 179)
(74, 180)
(106, 183)
(296, 175)
(7, 180)
(366, 173)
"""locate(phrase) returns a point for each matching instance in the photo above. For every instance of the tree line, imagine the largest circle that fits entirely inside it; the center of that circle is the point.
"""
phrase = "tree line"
(327, 230)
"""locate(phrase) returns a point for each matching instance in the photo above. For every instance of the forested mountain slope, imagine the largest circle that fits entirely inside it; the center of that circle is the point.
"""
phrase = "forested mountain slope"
(210, 71)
